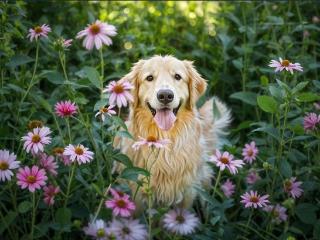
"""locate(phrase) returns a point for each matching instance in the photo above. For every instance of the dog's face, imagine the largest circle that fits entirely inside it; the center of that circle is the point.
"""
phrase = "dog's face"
(164, 86)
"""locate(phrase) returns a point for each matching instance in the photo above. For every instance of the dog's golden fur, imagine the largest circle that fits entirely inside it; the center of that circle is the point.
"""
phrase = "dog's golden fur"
(181, 166)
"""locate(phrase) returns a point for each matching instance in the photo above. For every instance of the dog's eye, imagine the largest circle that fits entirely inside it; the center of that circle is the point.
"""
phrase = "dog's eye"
(177, 77)
(149, 78)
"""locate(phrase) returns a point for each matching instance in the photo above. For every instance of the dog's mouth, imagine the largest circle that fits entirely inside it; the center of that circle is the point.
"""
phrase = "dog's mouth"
(164, 117)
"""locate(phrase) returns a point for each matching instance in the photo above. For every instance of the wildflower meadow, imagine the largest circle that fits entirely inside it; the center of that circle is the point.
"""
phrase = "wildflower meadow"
(63, 108)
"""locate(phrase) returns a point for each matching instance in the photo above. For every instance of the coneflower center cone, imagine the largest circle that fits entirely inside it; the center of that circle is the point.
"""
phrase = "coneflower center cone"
(285, 63)
(100, 232)
(224, 160)
(78, 150)
(151, 139)
(94, 29)
(4, 165)
(180, 219)
(36, 138)
(121, 203)
(38, 29)
(31, 179)
(254, 199)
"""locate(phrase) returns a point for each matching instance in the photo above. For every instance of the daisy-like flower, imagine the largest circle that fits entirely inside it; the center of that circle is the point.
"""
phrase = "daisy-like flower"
(311, 122)
(228, 188)
(48, 163)
(103, 112)
(180, 221)
(7, 163)
(99, 230)
(36, 139)
(120, 93)
(97, 34)
(250, 152)
(35, 124)
(285, 65)
(39, 31)
(127, 229)
(226, 160)
(65, 108)
(151, 141)
(253, 199)
(278, 213)
(292, 187)
(49, 193)
(78, 153)
(252, 177)
(121, 205)
(32, 178)
(58, 151)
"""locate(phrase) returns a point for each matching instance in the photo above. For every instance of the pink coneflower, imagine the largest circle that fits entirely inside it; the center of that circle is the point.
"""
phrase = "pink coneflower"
(121, 205)
(36, 139)
(126, 229)
(120, 93)
(49, 193)
(97, 34)
(151, 141)
(285, 65)
(58, 151)
(311, 122)
(292, 187)
(225, 160)
(250, 152)
(253, 199)
(252, 177)
(32, 178)
(103, 112)
(99, 230)
(78, 153)
(65, 108)
(278, 213)
(67, 43)
(48, 163)
(37, 32)
(180, 221)
(7, 162)
(228, 188)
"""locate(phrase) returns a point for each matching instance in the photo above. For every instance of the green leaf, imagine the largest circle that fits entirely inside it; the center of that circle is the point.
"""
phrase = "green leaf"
(275, 92)
(100, 104)
(123, 159)
(299, 87)
(246, 97)
(214, 220)
(285, 169)
(54, 77)
(63, 216)
(267, 104)
(238, 63)
(119, 122)
(43, 102)
(264, 80)
(19, 60)
(93, 75)
(306, 213)
(132, 173)
(308, 97)
(124, 134)
(24, 206)
(316, 230)
(8, 219)
(95, 187)
(274, 132)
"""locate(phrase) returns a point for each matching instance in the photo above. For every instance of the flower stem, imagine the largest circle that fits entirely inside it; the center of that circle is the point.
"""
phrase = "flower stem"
(101, 202)
(102, 71)
(69, 184)
(249, 219)
(68, 127)
(216, 185)
(33, 214)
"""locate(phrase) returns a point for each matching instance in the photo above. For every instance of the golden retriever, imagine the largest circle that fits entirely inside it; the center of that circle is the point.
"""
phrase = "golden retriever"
(165, 94)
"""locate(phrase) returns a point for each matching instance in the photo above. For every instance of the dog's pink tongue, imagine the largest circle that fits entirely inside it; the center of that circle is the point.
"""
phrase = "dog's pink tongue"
(165, 119)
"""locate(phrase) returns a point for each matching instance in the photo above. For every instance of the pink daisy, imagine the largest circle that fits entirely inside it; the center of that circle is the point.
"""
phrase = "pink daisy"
(127, 229)
(99, 230)
(228, 188)
(58, 152)
(249, 152)
(103, 112)
(97, 34)
(65, 108)
(252, 177)
(7, 162)
(311, 122)
(49, 164)
(120, 93)
(78, 153)
(36, 139)
(121, 205)
(225, 160)
(293, 188)
(37, 32)
(285, 64)
(151, 141)
(278, 213)
(180, 221)
(49, 193)
(253, 199)
(32, 178)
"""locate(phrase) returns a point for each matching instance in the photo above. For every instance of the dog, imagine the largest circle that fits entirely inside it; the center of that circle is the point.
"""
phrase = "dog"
(165, 94)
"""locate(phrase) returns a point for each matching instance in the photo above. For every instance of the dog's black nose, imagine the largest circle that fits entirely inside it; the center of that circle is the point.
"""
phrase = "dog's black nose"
(165, 96)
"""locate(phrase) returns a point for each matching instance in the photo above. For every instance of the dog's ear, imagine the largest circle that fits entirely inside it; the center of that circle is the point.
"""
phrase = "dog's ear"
(133, 78)
(197, 85)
